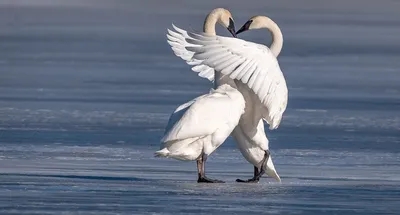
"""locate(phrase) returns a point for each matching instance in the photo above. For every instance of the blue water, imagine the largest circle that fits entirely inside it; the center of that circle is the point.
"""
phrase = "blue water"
(86, 88)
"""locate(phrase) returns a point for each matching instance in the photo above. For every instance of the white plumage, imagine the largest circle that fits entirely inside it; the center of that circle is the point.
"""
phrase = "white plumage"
(177, 41)
(202, 125)
(250, 68)
(253, 70)
(250, 63)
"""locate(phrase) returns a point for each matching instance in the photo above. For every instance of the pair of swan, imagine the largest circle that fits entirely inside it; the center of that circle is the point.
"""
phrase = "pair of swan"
(249, 87)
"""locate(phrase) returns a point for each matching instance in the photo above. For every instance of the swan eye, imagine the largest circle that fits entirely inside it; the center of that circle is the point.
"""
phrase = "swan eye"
(247, 24)
(245, 27)
(231, 22)
(231, 27)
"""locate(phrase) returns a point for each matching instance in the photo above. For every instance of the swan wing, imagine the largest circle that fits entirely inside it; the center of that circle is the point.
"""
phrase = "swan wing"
(250, 63)
(177, 40)
(204, 116)
(179, 112)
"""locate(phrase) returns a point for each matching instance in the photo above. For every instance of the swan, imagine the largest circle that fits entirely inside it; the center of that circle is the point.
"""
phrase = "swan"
(252, 69)
(253, 147)
(200, 126)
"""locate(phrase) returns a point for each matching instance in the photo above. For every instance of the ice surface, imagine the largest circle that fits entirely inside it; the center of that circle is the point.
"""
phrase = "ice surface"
(86, 88)
(55, 178)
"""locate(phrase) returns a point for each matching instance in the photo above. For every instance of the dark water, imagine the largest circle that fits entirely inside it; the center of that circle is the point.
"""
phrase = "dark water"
(86, 88)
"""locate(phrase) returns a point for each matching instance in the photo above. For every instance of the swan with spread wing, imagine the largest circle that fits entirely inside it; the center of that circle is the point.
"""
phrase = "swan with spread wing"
(252, 69)
(198, 127)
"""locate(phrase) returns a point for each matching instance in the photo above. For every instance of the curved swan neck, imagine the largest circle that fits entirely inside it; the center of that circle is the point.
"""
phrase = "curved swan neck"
(211, 21)
(209, 28)
(209, 24)
(277, 37)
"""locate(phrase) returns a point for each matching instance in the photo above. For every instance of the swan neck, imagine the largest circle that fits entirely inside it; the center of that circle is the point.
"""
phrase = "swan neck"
(210, 22)
(209, 28)
(277, 37)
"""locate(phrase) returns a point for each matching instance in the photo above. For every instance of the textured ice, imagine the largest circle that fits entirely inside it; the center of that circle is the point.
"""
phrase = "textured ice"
(56, 178)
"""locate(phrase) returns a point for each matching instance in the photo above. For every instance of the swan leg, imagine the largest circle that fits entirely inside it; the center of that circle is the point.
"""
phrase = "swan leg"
(257, 172)
(251, 180)
(202, 173)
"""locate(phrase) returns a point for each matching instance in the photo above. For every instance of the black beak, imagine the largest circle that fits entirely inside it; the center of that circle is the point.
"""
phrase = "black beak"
(231, 27)
(245, 27)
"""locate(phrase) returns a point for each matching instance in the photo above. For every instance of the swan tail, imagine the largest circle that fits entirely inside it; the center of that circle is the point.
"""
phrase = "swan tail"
(187, 149)
(162, 153)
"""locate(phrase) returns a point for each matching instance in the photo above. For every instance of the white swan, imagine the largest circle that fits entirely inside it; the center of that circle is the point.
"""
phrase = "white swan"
(200, 126)
(251, 68)
(252, 146)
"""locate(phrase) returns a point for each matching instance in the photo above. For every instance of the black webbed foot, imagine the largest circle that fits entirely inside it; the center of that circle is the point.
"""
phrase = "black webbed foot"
(251, 180)
(204, 179)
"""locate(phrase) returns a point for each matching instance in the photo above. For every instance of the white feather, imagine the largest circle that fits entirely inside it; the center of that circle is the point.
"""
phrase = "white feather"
(256, 63)
(177, 41)
(203, 124)
(257, 76)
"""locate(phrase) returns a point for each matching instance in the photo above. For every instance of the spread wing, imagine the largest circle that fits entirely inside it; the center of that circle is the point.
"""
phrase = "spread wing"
(252, 64)
(177, 41)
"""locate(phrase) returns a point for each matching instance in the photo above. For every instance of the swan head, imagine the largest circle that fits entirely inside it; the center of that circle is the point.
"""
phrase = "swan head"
(255, 22)
(224, 18)
(270, 169)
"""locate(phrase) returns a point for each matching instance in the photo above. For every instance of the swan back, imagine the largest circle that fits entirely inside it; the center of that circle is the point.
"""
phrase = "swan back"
(222, 106)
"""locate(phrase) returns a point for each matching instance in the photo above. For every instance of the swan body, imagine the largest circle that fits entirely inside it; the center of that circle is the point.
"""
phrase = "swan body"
(256, 74)
(252, 64)
(250, 135)
(202, 125)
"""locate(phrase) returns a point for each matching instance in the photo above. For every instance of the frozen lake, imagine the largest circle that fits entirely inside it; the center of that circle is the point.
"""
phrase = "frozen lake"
(86, 88)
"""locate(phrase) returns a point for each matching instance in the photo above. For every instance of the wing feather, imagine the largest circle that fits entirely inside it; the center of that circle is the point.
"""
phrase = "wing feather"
(176, 38)
(204, 115)
(252, 64)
